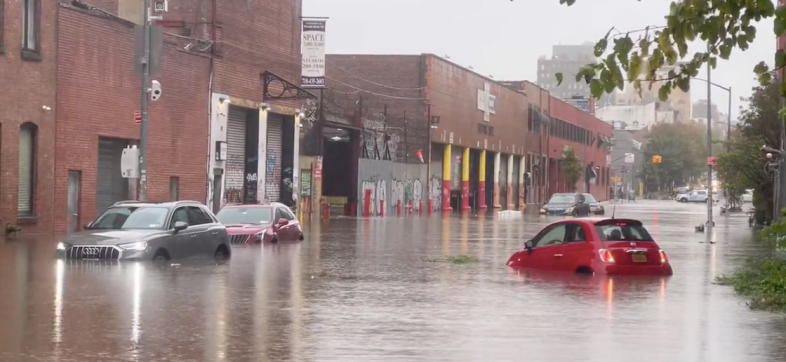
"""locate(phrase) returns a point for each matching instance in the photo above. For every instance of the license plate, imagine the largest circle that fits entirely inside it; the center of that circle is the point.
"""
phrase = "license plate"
(639, 258)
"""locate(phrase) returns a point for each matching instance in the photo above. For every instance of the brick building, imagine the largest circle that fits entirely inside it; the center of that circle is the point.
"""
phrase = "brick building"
(226, 86)
(27, 116)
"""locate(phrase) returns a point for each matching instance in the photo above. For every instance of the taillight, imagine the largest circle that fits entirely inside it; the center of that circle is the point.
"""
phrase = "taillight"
(663, 258)
(605, 256)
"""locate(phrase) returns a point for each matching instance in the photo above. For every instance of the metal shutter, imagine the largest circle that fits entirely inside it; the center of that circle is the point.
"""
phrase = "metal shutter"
(26, 141)
(235, 169)
(275, 136)
(503, 181)
(111, 187)
(516, 172)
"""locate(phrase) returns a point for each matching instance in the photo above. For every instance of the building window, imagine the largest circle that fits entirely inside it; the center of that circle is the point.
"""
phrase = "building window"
(27, 169)
(174, 188)
(31, 27)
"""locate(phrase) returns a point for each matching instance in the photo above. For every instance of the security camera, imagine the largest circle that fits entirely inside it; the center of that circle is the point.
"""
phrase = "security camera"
(769, 155)
(155, 90)
(771, 150)
(160, 6)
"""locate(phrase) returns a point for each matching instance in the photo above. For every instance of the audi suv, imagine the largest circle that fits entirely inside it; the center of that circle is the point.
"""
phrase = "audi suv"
(134, 230)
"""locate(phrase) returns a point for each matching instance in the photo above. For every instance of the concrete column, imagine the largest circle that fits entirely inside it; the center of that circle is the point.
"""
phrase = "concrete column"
(522, 181)
(262, 155)
(446, 160)
(482, 181)
(495, 198)
(465, 180)
(295, 166)
(511, 202)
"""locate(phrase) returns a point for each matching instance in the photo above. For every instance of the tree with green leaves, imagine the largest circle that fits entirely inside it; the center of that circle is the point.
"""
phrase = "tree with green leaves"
(682, 155)
(637, 56)
(570, 166)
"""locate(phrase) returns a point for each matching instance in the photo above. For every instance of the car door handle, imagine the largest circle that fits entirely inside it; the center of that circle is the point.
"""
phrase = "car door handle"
(215, 233)
(193, 235)
(557, 255)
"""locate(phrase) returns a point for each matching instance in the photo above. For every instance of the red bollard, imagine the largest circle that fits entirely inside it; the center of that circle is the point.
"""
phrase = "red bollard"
(420, 208)
(410, 207)
(398, 208)
(381, 207)
(429, 206)
(352, 209)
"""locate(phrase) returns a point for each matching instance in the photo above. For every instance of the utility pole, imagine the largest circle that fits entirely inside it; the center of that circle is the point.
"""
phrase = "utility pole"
(728, 125)
(145, 104)
(710, 223)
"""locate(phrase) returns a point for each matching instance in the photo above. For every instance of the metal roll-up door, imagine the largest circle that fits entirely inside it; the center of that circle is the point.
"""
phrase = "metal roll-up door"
(516, 172)
(503, 181)
(275, 138)
(234, 172)
(26, 140)
(111, 187)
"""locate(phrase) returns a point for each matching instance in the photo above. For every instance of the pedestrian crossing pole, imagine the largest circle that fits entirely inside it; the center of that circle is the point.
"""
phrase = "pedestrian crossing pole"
(145, 103)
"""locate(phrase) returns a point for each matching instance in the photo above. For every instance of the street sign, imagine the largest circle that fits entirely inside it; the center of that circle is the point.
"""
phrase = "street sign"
(137, 117)
(630, 158)
(711, 161)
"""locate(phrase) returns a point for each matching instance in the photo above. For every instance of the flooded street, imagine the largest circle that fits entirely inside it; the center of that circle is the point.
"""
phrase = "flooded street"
(365, 290)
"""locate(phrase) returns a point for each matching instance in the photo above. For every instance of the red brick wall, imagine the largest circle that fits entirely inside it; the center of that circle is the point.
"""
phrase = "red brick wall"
(27, 86)
(453, 93)
(394, 81)
(98, 94)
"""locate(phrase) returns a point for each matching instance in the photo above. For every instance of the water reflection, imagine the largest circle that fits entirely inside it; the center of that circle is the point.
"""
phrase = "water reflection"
(359, 290)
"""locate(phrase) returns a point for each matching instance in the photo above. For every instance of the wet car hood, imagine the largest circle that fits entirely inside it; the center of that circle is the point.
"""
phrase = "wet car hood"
(238, 229)
(110, 237)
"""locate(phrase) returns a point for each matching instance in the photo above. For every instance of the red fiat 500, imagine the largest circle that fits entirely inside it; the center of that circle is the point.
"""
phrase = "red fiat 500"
(604, 246)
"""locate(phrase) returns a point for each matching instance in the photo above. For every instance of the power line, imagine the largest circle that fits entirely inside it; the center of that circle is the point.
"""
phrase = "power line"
(374, 93)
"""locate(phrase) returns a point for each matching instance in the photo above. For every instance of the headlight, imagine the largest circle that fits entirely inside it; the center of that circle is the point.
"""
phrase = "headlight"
(260, 235)
(600, 207)
(141, 245)
(569, 210)
(542, 210)
(62, 246)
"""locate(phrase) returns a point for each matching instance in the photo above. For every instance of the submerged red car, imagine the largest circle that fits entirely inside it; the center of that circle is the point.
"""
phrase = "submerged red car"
(260, 223)
(603, 246)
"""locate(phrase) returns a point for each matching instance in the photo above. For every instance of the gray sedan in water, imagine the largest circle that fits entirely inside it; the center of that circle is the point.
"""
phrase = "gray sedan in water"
(133, 230)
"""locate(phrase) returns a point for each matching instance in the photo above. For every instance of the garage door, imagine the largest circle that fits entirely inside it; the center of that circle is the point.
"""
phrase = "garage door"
(111, 187)
(236, 154)
(275, 137)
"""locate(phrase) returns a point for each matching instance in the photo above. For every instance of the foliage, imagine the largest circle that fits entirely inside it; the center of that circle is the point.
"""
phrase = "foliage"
(457, 259)
(762, 281)
(682, 150)
(743, 167)
(570, 166)
(638, 56)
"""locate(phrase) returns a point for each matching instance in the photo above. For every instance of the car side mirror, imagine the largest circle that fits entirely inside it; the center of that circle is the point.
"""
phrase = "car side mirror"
(282, 222)
(529, 245)
(88, 225)
(180, 225)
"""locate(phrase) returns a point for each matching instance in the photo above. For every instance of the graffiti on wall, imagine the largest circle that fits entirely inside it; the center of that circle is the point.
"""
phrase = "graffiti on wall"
(435, 192)
(374, 193)
(234, 179)
(379, 141)
(310, 111)
(403, 192)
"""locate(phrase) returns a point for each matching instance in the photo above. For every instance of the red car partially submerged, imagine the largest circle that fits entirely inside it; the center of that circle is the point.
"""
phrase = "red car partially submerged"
(260, 223)
(603, 246)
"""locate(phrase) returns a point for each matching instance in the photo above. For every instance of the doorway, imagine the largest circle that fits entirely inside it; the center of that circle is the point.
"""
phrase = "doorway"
(74, 184)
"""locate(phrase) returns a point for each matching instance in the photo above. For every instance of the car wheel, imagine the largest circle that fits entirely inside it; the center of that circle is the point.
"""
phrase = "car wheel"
(221, 254)
(274, 240)
(301, 237)
(161, 257)
(683, 200)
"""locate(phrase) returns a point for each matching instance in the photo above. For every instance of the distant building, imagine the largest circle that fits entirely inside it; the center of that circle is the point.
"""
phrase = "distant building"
(678, 101)
(720, 121)
(566, 59)
(637, 117)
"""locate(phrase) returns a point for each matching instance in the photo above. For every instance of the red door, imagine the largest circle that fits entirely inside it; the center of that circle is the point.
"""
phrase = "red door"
(577, 251)
(548, 247)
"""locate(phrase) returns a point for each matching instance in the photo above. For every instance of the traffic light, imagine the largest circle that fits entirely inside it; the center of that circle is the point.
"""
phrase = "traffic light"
(657, 159)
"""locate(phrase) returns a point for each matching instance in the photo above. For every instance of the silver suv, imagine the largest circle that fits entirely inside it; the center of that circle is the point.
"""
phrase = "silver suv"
(134, 230)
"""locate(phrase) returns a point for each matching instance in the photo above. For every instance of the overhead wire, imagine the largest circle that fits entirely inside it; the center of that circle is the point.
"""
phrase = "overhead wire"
(375, 93)
(370, 81)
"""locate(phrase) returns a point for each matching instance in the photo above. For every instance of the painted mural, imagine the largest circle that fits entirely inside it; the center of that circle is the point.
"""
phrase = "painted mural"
(384, 184)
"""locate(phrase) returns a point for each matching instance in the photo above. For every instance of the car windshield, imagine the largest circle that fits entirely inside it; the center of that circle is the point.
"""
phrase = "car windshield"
(588, 198)
(562, 199)
(131, 217)
(245, 215)
(623, 232)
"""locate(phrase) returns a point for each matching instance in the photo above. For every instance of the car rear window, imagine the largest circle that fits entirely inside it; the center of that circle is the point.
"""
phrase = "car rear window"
(623, 232)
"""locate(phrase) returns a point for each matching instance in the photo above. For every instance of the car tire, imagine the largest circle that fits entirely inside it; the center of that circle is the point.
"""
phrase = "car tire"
(301, 237)
(683, 200)
(161, 256)
(221, 254)
(274, 240)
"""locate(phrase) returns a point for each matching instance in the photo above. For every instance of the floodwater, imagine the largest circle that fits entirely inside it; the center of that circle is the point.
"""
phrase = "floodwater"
(365, 290)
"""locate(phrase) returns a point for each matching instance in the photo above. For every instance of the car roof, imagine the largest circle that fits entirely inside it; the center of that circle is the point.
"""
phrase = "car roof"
(155, 203)
(598, 221)
(253, 206)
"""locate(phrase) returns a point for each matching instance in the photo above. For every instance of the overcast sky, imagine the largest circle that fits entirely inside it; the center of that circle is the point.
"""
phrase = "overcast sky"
(505, 39)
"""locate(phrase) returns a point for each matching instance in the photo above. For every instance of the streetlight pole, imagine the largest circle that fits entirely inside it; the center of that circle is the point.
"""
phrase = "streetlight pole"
(709, 148)
(728, 123)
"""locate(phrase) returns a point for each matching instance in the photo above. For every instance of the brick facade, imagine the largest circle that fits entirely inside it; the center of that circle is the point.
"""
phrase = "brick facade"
(98, 95)
(28, 94)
